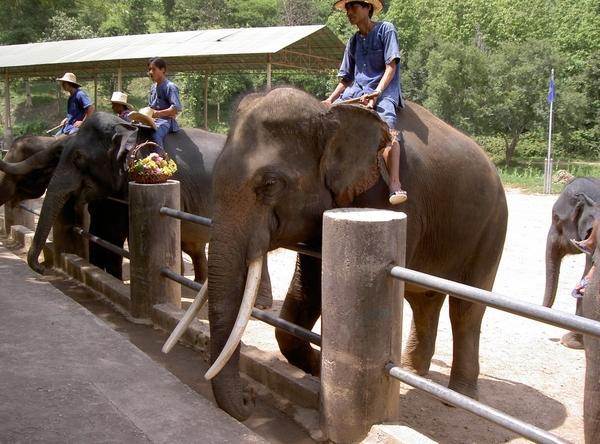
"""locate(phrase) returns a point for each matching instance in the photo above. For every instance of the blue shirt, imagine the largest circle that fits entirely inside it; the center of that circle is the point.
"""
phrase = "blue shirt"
(76, 106)
(164, 96)
(365, 59)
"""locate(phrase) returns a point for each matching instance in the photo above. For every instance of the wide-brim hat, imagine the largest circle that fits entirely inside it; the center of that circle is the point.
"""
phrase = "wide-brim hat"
(69, 77)
(377, 5)
(143, 116)
(121, 98)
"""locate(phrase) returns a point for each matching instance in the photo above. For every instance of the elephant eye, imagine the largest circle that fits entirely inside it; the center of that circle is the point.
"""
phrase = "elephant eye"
(271, 186)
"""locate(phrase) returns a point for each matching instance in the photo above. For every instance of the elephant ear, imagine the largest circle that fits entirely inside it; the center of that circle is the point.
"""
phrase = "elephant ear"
(355, 137)
(587, 210)
(123, 141)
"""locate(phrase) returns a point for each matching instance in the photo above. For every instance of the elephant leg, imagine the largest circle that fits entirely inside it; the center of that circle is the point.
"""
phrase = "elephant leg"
(572, 339)
(420, 345)
(302, 306)
(466, 318)
(197, 252)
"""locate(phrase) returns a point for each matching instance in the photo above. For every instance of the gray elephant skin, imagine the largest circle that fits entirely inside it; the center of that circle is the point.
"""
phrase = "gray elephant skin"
(93, 166)
(288, 158)
(573, 216)
(25, 173)
(591, 397)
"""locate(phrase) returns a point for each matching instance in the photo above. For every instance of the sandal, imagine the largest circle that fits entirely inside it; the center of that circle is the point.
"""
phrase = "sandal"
(577, 293)
(398, 196)
(580, 247)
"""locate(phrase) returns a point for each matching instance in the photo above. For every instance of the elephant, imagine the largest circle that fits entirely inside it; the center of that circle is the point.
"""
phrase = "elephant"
(18, 184)
(591, 396)
(25, 173)
(573, 216)
(94, 166)
(288, 158)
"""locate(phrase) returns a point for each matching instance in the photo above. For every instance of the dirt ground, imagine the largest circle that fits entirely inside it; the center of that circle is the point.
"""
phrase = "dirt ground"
(525, 372)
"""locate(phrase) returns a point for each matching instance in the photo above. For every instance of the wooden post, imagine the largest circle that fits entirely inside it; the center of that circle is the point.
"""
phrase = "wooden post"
(154, 243)
(361, 320)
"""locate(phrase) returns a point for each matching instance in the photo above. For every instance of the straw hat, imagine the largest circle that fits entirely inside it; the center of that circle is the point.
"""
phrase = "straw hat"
(377, 5)
(69, 77)
(121, 98)
(143, 116)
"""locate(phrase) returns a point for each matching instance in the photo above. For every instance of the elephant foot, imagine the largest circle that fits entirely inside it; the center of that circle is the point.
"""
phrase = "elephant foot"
(264, 301)
(572, 340)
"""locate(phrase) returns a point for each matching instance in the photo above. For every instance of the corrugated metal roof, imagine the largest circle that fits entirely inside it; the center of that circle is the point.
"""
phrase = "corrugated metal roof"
(313, 48)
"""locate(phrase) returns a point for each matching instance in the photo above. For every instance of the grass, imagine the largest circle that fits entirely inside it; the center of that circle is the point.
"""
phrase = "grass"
(528, 174)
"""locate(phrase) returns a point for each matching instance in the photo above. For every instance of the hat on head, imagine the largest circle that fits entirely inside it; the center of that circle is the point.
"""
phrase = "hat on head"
(377, 4)
(121, 98)
(69, 77)
(143, 116)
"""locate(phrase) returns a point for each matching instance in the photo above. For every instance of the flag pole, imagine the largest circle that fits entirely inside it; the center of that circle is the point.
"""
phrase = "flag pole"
(548, 168)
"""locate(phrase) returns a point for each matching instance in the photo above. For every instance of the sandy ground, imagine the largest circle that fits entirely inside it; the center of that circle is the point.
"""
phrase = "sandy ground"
(525, 372)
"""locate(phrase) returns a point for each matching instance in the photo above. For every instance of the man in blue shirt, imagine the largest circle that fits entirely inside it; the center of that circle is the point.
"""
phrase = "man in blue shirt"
(371, 64)
(164, 100)
(79, 106)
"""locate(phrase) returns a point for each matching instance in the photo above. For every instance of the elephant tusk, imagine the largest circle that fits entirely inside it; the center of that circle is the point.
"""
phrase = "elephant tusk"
(187, 318)
(250, 294)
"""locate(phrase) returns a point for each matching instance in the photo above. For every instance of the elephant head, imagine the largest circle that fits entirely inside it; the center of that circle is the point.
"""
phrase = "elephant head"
(287, 159)
(573, 217)
(27, 168)
(92, 166)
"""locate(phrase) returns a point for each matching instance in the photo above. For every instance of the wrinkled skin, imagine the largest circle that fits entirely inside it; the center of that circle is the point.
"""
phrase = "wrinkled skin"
(591, 397)
(15, 188)
(573, 216)
(35, 159)
(93, 166)
(288, 158)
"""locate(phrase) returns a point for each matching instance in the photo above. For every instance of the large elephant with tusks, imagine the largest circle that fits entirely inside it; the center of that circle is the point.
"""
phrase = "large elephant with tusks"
(287, 159)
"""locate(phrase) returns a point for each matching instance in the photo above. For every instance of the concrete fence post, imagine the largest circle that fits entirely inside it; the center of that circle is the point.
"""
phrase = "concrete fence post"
(361, 320)
(18, 216)
(154, 243)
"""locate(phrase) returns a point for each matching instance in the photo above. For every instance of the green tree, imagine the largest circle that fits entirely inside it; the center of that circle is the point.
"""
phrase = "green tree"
(457, 84)
(518, 92)
(63, 27)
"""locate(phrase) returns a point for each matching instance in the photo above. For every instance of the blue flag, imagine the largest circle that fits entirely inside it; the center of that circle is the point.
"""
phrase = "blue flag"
(551, 92)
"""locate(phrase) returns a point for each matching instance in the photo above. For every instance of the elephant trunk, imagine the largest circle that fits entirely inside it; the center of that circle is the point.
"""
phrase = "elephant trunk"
(554, 257)
(227, 276)
(43, 159)
(59, 190)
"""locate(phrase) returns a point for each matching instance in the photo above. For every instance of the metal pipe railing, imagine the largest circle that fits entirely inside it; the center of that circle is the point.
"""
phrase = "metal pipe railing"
(26, 208)
(185, 216)
(474, 407)
(95, 239)
(526, 309)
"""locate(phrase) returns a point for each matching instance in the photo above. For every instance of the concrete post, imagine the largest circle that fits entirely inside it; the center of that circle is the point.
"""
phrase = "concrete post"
(154, 243)
(18, 216)
(7, 140)
(361, 320)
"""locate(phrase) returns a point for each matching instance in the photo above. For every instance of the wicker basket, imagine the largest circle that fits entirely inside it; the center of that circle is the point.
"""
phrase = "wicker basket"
(145, 177)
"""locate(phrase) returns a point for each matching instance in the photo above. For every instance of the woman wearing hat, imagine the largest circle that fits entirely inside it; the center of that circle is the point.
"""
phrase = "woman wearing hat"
(79, 106)
(120, 106)
(371, 64)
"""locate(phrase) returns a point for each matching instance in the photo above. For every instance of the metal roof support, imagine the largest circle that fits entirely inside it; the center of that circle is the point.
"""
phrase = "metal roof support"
(205, 127)
(268, 71)
(119, 77)
(96, 89)
(7, 123)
